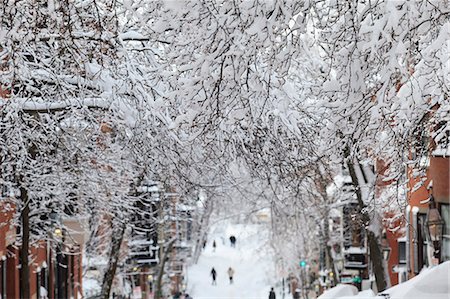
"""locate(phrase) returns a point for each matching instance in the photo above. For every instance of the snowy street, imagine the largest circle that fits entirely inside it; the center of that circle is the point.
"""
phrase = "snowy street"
(252, 261)
(253, 149)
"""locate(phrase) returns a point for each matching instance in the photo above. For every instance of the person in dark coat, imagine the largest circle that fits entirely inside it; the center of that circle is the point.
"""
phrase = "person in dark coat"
(214, 245)
(272, 294)
(230, 274)
(233, 241)
(214, 275)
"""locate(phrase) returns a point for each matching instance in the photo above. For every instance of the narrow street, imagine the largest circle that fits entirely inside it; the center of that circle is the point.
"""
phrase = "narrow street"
(252, 261)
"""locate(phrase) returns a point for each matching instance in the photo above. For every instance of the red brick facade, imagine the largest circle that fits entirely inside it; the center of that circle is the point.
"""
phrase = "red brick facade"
(43, 268)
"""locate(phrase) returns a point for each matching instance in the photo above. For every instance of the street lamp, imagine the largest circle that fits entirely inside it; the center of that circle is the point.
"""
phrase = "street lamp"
(58, 232)
(435, 226)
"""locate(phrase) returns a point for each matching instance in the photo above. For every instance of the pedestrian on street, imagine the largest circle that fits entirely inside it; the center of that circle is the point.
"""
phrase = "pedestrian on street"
(230, 274)
(297, 294)
(233, 241)
(214, 245)
(272, 294)
(214, 275)
(186, 296)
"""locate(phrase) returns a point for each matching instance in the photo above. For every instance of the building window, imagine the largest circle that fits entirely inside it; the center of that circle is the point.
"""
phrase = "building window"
(445, 213)
(422, 241)
(401, 252)
(43, 281)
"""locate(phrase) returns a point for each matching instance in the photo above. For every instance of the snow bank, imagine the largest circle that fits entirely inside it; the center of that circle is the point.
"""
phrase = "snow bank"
(341, 290)
(367, 294)
(431, 283)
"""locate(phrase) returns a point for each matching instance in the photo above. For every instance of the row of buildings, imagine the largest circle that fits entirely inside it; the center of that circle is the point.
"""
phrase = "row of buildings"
(415, 226)
(55, 266)
(161, 243)
(160, 240)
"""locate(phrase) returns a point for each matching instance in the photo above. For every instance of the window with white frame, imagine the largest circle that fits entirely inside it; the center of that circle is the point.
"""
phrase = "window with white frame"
(445, 214)
(402, 252)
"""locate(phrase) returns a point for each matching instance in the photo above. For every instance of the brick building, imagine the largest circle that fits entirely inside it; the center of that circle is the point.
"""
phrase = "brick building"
(55, 270)
(428, 181)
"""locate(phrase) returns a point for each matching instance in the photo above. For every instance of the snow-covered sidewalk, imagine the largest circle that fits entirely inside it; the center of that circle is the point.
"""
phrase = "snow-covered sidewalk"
(252, 261)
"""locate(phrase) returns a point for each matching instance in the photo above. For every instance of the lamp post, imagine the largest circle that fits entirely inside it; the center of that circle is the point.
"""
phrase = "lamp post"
(435, 226)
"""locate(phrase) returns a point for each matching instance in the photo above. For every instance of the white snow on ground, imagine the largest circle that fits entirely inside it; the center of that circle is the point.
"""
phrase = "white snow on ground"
(252, 260)
(340, 290)
(431, 283)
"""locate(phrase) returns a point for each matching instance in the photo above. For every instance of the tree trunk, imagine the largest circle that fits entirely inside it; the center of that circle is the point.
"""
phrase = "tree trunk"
(118, 232)
(376, 256)
(204, 223)
(24, 263)
(25, 215)
(158, 293)
(116, 241)
(329, 261)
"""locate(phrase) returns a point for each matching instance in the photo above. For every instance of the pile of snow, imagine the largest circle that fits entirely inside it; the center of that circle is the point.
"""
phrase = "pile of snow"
(341, 290)
(432, 283)
(367, 294)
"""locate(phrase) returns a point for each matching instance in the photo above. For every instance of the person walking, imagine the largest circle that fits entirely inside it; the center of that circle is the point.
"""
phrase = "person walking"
(214, 275)
(272, 294)
(230, 274)
(233, 241)
(214, 246)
